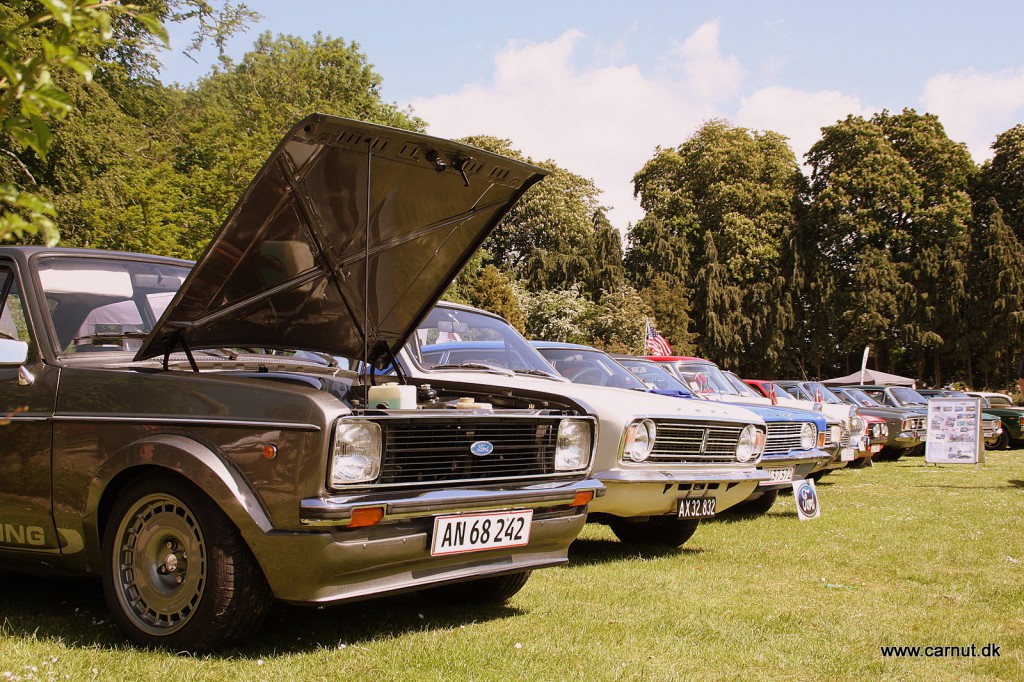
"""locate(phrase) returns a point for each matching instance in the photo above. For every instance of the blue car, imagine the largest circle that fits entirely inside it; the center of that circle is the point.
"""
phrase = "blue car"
(793, 441)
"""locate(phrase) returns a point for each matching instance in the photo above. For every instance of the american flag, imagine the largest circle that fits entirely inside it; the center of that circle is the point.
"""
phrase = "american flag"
(656, 343)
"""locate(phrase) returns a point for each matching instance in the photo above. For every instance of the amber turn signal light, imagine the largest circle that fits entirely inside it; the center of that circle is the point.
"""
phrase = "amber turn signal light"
(582, 497)
(366, 516)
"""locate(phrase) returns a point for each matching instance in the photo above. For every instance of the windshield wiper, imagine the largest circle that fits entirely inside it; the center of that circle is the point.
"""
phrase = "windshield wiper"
(478, 365)
(539, 373)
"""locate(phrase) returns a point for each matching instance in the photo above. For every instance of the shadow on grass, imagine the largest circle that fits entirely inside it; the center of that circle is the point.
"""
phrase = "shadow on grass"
(947, 486)
(587, 552)
(73, 612)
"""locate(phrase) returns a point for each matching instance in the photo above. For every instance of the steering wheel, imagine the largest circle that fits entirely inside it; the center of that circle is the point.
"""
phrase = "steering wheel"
(588, 375)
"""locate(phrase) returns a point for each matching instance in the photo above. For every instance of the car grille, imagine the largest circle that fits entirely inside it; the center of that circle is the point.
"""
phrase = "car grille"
(782, 437)
(917, 423)
(424, 451)
(690, 442)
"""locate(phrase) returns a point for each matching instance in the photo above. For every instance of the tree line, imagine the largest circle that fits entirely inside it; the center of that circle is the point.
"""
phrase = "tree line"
(886, 235)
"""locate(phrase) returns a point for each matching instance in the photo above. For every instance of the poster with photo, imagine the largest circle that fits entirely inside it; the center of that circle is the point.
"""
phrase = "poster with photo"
(954, 431)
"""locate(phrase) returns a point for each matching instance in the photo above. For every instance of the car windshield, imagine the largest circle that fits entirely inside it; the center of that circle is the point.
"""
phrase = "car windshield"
(858, 397)
(999, 401)
(587, 366)
(653, 373)
(706, 379)
(106, 304)
(821, 393)
(741, 387)
(907, 396)
(450, 338)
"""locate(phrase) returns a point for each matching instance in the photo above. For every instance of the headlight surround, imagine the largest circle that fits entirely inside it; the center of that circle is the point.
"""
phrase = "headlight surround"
(858, 427)
(808, 436)
(639, 440)
(573, 445)
(356, 453)
(746, 448)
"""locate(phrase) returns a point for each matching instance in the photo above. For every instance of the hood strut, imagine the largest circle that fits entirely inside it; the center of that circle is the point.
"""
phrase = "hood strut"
(178, 338)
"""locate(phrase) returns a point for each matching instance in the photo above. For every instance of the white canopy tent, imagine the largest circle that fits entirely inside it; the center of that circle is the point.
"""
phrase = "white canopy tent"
(872, 376)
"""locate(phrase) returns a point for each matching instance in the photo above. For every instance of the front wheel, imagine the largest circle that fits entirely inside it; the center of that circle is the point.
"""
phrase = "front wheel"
(176, 572)
(661, 531)
(1001, 443)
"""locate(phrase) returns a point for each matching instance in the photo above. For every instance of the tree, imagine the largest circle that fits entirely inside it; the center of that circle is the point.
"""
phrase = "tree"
(993, 324)
(1002, 178)
(34, 42)
(557, 235)
(722, 206)
(232, 119)
(557, 315)
(889, 216)
(618, 323)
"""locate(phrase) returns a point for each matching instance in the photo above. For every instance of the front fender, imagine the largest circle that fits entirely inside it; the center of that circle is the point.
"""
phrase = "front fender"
(214, 475)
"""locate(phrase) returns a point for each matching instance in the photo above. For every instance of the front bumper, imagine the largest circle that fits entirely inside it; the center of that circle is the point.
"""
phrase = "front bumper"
(656, 492)
(331, 562)
(803, 462)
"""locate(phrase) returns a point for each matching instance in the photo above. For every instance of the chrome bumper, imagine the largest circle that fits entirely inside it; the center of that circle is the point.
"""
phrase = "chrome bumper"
(672, 477)
(337, 510)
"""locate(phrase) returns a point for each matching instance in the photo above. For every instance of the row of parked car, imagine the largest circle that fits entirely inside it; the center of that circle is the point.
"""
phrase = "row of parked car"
(294, 416)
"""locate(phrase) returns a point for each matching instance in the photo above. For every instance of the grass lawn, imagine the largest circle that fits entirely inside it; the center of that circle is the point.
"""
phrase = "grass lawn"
(902, 555)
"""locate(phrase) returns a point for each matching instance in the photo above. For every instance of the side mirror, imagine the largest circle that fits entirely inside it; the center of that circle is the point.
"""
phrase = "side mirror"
(13, 352)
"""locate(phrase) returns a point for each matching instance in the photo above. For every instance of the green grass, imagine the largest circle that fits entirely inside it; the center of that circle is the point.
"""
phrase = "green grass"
(902, 555)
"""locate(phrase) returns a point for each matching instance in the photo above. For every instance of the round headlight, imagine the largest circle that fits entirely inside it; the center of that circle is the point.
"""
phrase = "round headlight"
(639, 440)
(572, 448)
(808, 436)
(746, 448)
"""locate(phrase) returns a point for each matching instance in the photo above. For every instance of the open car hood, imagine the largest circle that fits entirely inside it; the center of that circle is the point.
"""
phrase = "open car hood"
(348, 225)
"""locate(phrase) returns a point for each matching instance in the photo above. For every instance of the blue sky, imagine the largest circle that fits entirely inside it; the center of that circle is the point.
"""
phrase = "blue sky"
(597, 86)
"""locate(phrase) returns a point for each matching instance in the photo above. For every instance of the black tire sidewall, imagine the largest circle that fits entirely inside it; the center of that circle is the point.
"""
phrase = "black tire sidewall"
(207, 627)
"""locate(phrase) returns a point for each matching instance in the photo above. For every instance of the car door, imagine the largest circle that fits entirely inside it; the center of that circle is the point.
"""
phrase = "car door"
(27, 394)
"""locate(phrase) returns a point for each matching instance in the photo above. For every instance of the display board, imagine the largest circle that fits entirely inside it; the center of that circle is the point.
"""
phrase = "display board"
(954, 431)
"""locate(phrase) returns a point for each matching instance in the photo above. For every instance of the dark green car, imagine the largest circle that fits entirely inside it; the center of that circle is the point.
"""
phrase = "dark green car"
(1011, 417)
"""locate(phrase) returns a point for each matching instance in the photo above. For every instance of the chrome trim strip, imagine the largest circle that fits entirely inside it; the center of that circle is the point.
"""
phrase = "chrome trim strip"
(795, 456)
(497, 480)
(337, 511)
(177, 421)
(719, 476)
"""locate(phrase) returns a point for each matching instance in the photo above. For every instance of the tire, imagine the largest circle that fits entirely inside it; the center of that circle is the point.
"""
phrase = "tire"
(1001, 444)
(661, 531)
(176, 572)
(494, 590)
(758, 505)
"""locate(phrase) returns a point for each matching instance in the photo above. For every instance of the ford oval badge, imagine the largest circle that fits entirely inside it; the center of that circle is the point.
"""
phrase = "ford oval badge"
(481, 448)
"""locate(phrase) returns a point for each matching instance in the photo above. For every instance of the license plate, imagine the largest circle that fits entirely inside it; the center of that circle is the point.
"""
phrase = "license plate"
(847, 454)
(780, 475)
(697, 507)
(477, 532)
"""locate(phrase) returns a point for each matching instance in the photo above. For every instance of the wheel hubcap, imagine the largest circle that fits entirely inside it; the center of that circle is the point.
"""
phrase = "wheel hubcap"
(160, 564)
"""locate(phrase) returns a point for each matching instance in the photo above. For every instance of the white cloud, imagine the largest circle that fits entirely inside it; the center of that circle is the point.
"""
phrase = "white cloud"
(974, 107)
(601, 122)
(711, 75)
(796, 114)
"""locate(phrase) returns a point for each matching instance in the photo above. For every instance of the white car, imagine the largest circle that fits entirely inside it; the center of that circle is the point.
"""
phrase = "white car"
(665, 463)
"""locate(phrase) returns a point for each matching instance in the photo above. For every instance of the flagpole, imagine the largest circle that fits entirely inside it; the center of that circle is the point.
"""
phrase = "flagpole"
(864, 363)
